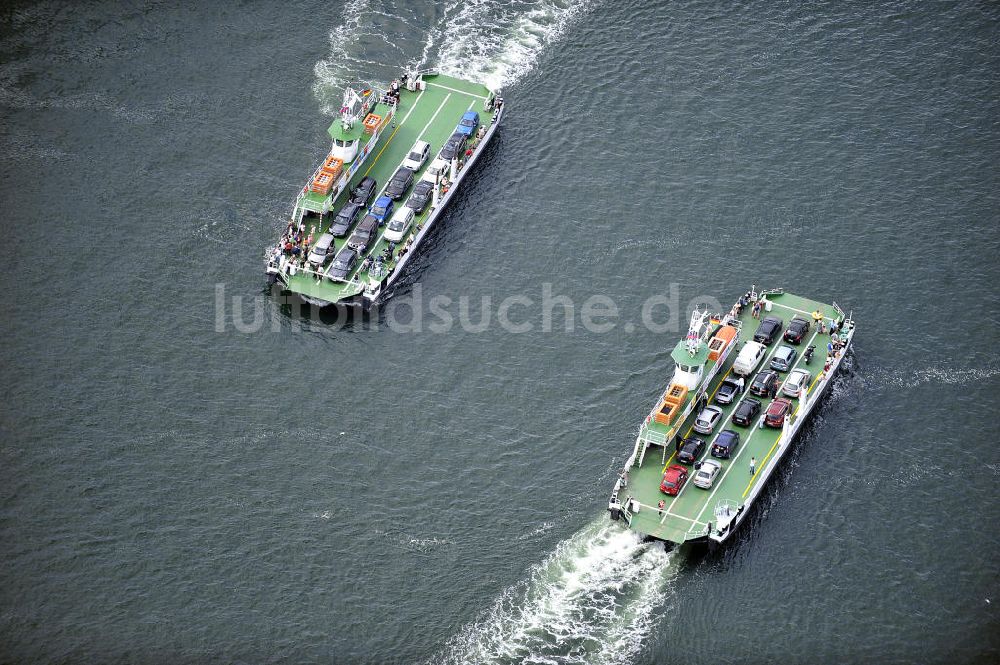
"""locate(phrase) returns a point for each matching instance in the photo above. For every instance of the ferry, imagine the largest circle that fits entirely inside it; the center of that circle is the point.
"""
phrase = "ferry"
(398, 156)
(743, 384)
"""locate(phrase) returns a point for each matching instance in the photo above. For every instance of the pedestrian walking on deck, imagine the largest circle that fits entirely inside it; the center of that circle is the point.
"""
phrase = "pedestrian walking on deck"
(753, 466)
(660, 506)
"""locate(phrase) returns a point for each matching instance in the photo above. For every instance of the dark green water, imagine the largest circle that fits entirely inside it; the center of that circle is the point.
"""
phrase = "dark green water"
(327, 492)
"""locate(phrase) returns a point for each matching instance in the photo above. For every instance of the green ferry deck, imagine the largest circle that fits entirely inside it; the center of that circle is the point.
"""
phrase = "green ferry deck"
(429, 115)
(687, 516)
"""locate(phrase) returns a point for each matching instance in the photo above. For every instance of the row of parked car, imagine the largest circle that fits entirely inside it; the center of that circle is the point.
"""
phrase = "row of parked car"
(384, 211)
(766, 383)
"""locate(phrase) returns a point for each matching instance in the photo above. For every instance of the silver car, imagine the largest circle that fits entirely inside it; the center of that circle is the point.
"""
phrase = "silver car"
(322, 251)
(796, 383)
(707, 419)
(706, 474)
(783, 358)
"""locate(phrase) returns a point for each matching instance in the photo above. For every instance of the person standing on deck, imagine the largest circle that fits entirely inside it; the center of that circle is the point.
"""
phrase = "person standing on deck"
(753, 466)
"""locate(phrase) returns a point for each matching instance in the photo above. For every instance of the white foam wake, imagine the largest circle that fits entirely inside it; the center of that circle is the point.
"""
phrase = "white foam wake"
(497, 43)
(592, 600)
(489, 41)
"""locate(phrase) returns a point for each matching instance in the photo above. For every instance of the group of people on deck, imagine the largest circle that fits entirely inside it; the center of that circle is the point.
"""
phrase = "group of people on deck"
(293, 248)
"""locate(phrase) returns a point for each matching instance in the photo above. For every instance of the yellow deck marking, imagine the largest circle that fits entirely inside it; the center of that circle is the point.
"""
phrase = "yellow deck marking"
(724, 377)
(762, 463)
(771, 451)
(389, 140)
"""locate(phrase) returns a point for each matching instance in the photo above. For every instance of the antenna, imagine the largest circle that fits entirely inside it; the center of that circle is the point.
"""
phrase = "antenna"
(693, 340)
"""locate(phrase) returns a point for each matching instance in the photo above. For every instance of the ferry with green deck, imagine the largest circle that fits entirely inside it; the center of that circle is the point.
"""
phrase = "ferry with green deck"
(408, 146)
(743, 384)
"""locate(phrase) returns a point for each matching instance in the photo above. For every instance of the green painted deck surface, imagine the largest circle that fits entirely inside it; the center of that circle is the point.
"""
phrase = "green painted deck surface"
(687, 515)
(336, 129)
(430, 115)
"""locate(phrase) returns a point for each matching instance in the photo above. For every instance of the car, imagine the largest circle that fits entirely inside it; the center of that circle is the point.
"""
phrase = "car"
(674, 479)
(364, 235)
(342, 264)
(728, 390)
(382, 210)
(764, 383)
(469, 123)
(453, 147)
(796, 382)
(776, 412)
(783, 358)
(363, 193)
(749, 358)
(725, 444)
(746, 411)
(797, 329)
(419, 153)
(706, 474)
(399, 183)
(322, 250)
(421, 197)
(438, 167)
(690, 449)
(767, 330)
(345, 219)
(399, 225)
(707, 420)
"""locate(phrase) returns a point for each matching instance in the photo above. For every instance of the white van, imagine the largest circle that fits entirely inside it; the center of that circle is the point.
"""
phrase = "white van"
(749, 359)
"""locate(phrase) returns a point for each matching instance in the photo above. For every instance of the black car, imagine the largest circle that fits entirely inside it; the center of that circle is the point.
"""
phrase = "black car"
(401, 181)
(363, 193)
(454, 146)
(767, 330)
(765, 383)
(797, 329)
(725, 444)
(746, 411)
(344, 219)
(342, 264)
(364, 235)
(422, 194)
(689, 450)
(728, 392)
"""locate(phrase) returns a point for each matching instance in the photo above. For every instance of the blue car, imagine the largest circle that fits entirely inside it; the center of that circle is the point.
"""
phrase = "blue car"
(382, 210)
(470, 121)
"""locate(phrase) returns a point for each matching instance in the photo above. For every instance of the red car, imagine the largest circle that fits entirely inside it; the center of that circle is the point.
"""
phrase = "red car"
(775, 416)
(674, 479)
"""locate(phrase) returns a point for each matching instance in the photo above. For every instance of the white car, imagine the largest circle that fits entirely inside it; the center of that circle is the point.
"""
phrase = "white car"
(399, 225)
(706, 474)
(707, 419)
(437, 166)
(796, 382)
(419, 153)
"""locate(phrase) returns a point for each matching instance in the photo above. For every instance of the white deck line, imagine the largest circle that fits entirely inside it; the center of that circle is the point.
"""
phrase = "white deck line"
(368, 253)
(415, 175)
(461, 92)
(794, 309)
(424, 130)
(732, 461)
(688, 519)
(435, 213)
(743, 444)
